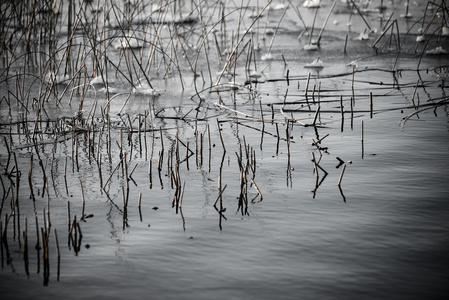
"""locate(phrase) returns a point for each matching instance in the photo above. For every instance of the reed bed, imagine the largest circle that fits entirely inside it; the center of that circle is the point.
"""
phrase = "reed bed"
(70, 71)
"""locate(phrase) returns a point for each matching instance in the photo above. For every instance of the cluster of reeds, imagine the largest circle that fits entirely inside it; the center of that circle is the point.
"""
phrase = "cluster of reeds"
(246, 159)
(23, 237)
(66, 64)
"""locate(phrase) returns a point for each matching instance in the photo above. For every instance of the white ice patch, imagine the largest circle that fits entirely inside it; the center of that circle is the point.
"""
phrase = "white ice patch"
(312, 3)
(99, 81)
(128, 42)
(51, 77)
(254, 74)
(310, 47)
(111, 90)
(317, 63)
(277, 6)
(419, 38)
(363, 36)
(267, 56)
(445, 31)
(353, 64)
(436, 51)
(145, 89)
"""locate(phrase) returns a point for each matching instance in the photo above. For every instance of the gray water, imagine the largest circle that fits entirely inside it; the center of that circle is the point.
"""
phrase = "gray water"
(382, 234)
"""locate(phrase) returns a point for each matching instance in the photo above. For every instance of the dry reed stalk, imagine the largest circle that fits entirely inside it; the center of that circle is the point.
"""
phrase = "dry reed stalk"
(82, 199)
(89, 147)
(1, 240)
(187, 156)
(140, 200)
(341, 175)
(68, 216)
(307, 84)
(342, 113)
(234, 50)
(362, 131)
(346, 43)
(414, 93)
(361, 15)
(220, 193)
(316, 115)
(44, 245)
(196, 147)
(76, 155)
(57, 243)
(209, 143)
(313, 25)
(316, 164)
(132, 171)
(258, 191)
(182, 194)
(126, 179)
(112, 173)
(160, 161)
(221, 137)
(362, 139)
(287, 138)
(325, 22)
(25, 250)
(150, 173)
(30, 172)
(5, 230)
(352, 84)
(201, 149)
(384, 31)
(121, 156)
(352, 113)
(139, 135)
(99, 171)
(98, 146)
(276, 29)
(37, 246)
(278, 138)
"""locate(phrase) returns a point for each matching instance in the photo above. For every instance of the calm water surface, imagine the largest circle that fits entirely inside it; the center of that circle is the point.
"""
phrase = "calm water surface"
(382, 235)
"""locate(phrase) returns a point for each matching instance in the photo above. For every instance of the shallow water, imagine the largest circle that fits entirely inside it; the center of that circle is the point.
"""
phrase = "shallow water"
(382, 234)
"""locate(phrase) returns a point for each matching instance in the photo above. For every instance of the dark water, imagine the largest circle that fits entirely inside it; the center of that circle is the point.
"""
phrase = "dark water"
(383, 234)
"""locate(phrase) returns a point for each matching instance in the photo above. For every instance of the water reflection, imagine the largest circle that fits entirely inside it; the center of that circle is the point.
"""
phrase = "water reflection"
(70, 136)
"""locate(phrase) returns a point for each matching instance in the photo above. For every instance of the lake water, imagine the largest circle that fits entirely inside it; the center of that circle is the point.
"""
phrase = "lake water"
(382, 233)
